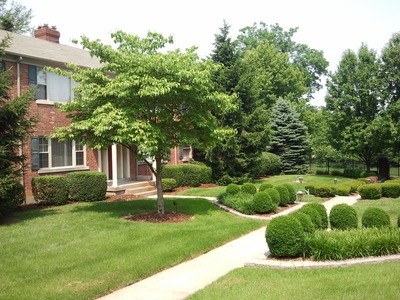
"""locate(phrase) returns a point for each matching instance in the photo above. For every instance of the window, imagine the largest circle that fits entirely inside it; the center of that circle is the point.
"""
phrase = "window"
(51, 153)
(50, 86)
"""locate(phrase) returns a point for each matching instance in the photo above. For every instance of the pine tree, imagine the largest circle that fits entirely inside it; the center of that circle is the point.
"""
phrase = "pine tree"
(14, 127)
(289, 137)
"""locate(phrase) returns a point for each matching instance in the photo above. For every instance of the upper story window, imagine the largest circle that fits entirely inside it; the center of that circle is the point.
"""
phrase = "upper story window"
(49, 85)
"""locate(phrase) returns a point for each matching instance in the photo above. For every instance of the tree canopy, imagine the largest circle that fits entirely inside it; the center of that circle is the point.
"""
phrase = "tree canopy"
(144, 99)
(15, 17)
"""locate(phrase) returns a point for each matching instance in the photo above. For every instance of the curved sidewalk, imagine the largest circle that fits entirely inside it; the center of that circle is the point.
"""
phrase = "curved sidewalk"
(251, 249)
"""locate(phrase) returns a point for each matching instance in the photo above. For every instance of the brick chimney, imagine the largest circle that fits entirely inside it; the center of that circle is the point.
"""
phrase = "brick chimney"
(48, 33)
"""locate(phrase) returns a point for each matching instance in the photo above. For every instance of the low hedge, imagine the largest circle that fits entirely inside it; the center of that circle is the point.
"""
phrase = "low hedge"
(370, 191)
(188, 174)
(87, 186)
(50, 189)
(391, 189)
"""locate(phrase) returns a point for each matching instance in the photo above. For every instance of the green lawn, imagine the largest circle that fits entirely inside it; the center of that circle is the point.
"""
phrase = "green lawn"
(83, 251)
(377, 281)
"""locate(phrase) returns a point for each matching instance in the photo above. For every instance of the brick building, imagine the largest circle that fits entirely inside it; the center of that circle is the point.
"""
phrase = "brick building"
(27, 57)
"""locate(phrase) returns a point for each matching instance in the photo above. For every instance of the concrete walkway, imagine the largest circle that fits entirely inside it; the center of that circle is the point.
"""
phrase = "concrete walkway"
(249, 250)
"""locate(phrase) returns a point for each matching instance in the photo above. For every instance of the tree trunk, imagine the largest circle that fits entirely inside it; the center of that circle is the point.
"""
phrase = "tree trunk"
(160, 195)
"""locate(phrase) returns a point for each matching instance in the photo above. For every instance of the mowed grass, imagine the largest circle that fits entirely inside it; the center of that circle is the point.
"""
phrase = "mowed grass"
(376, 281)
(83, 251)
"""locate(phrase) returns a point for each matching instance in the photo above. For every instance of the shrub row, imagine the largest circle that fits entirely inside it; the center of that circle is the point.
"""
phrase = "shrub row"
(188, 174)
(248, 200)
(287, 237)
(330, 190)
(390, 189)
(78, 186)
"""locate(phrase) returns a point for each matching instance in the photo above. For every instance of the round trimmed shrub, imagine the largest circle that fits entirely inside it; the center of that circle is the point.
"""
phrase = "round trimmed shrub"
(248, 188)
(274, 194)
(262, 203)
(305, 220)
(285, 236)
(343, 217)
(375, 217)
(264, 186)
(320, 208)
(233, 189)
(370, 191)
(284, 195)
(168, 184)
(314, 215)
(291, 191)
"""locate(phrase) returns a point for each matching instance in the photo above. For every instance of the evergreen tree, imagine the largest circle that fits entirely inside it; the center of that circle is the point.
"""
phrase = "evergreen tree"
(14, 127)
(289, 137)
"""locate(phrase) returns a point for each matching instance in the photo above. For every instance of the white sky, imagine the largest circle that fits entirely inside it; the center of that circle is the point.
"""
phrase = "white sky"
(328, 25)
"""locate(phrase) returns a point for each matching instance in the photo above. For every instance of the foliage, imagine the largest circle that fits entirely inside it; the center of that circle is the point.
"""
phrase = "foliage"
(263, 203)
(324, 190)
(305, 220)
(284, 197)
(390, 190)
(233, 189)
(187, 174)
(375, 217)
(52, 190)
(355, 100)
(314, 214)
(145, 99)
(343, 189)
(354, 243)
(15, 17)
(226, 179)
(292, 193)
(242, 202)
(87, 186)
(265, 185)
(285, 236)
(289, 138)
(248, 188)
(15, 125)
(370, 191)
(320, 208)
(343, 217)
(168, 184)
(274, 195)
(270, 164)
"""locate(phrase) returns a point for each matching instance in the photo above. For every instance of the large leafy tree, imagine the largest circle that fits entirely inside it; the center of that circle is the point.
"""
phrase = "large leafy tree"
(289, 137)
(310, 62)
(15, 17)
(144, 99)
(15, 124)
(391, 71)
(358, 123)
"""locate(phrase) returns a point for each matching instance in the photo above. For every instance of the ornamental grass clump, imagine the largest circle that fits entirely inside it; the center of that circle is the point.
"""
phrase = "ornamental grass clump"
(375, 217)
(285, 236)
(343, 217)
(263, 203)
(241, 202)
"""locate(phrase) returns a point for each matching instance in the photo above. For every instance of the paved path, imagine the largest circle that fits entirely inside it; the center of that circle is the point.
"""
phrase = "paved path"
(184, 279)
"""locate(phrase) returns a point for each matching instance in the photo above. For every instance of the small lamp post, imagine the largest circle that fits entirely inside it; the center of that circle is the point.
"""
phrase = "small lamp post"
(335, 180)
(301, 179)
(299, 195)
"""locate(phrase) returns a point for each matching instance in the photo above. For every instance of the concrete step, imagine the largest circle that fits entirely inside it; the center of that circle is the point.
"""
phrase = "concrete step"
(138, 190)
(147, 194)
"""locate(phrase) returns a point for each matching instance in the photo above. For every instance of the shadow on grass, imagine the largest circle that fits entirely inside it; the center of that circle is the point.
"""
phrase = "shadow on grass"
(192, 206)
(22, 216)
